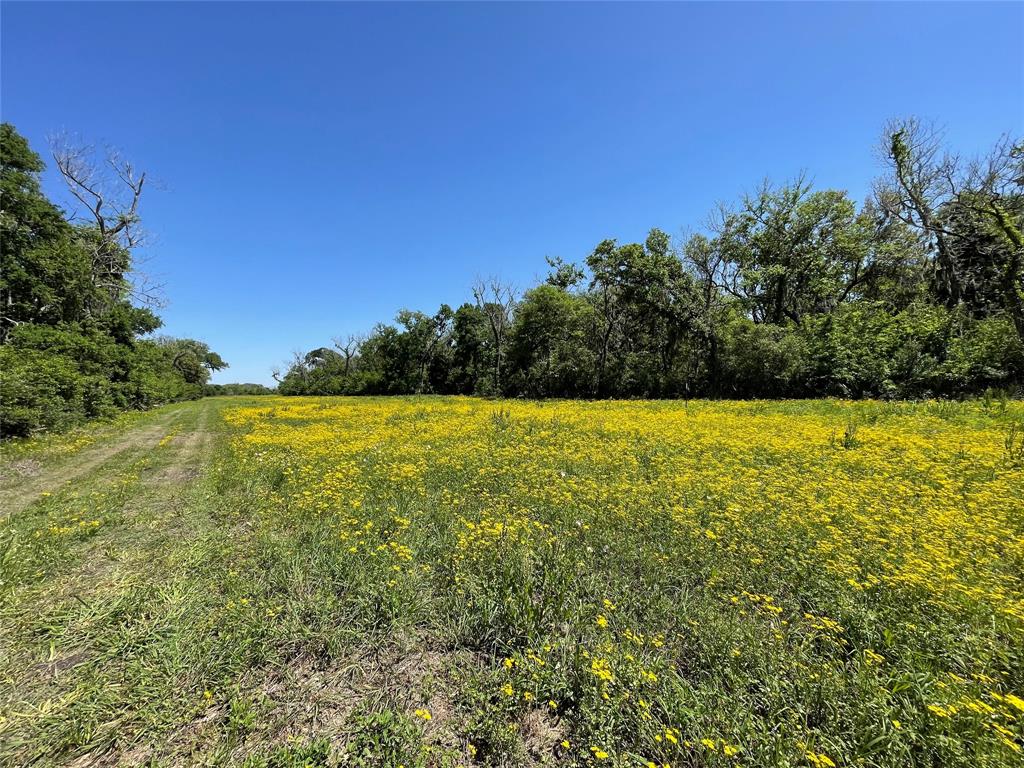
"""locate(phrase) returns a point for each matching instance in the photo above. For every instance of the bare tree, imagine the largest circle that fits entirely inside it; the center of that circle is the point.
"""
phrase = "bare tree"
(709, 262)
(108, 192)
(298, 365)
(496, 299)
(923, 181)
(349, 347)
(606, 290)
(921, 178)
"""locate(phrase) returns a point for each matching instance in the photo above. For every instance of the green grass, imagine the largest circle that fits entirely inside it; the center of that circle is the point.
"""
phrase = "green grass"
(444, 582)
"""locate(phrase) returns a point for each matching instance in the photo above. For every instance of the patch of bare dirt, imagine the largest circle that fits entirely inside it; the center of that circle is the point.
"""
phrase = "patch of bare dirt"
(55, 666)
(309, 698)
(313, 698)
(176, 475)
(541, 736)
(189, 454)
(21, 468)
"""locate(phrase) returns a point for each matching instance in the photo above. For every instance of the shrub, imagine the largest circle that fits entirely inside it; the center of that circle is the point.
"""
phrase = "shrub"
(40, 391)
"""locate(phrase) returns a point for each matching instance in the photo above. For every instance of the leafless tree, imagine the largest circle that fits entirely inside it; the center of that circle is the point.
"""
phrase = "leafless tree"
(297, 365)
(107, 192)
(923, 179)
(708, 261)
(349, 347)
(496, 299)
(439, 325)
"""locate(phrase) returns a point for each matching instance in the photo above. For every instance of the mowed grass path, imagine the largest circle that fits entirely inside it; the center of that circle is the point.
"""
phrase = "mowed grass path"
(449, 581)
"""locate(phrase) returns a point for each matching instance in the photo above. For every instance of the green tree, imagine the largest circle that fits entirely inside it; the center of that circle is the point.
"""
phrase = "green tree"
(470, 350)
(44, 270)
(548, 343)
(792, 251)
(72, 341)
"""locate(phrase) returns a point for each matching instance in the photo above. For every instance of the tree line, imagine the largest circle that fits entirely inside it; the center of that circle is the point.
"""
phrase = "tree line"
(76, 322)
(236, 389)
(790, 292)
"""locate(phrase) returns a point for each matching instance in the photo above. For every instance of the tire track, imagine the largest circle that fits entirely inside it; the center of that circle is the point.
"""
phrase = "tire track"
(17, 498)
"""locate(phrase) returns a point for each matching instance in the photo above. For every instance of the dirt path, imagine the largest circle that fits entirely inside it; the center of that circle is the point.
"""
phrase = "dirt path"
(188, 452)
(69, 610)
(153, 515)
(24, 490)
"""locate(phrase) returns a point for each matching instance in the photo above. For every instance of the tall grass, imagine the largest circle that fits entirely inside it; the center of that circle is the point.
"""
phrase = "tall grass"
(445, 582)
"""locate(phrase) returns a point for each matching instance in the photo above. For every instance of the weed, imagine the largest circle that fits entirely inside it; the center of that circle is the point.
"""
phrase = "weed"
(434, 582)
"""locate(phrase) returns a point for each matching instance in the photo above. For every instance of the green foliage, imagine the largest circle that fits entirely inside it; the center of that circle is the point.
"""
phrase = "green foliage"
(70, 338)
(988, 353)
(38, 391)
(864, 350)
(384, 738)
(549, 343)
(214, 390)
(792, 249)
(760, 360)
(794, 292)
(315, 754)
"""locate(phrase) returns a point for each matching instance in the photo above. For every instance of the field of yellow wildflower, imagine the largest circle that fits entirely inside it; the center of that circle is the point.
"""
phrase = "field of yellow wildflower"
(444, 582)
(675, 584)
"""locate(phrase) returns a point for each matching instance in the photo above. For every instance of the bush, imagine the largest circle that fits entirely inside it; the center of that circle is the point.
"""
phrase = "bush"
(865, 350)
(40, 391)
(762, 360)
(987, 354)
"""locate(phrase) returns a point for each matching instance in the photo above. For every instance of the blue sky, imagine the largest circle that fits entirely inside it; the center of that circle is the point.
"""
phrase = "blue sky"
(324, 165)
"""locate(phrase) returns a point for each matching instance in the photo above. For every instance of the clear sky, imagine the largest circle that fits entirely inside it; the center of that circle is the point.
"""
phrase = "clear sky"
(324, 165)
